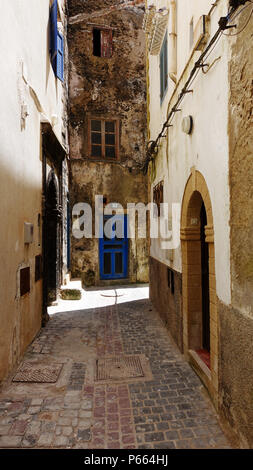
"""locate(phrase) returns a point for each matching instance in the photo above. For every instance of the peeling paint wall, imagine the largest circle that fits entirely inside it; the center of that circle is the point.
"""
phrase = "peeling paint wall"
(236, 322)
(109, 88)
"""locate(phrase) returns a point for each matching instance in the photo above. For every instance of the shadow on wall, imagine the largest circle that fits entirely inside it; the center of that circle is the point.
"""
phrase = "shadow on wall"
(20, 317)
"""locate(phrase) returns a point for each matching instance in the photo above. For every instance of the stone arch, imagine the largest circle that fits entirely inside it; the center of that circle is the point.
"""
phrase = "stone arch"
(52, 191)
(196, 195)
(195, 184)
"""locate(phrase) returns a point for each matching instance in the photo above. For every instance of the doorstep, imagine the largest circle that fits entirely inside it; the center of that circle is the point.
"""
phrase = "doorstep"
(201, 369)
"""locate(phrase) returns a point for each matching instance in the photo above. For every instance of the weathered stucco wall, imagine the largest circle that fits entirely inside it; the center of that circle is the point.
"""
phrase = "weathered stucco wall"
(109, 88)
(236, 323)
(206, 148)
(115, 183)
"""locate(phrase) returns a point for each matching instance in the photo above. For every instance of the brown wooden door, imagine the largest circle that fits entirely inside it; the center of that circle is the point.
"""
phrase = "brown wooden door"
(205, 283)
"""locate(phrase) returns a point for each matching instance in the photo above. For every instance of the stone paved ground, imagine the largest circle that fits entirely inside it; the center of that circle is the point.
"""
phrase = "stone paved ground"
(171, 411)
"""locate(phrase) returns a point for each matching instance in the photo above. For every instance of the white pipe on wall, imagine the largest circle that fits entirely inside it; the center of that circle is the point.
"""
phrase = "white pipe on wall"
(172, 63)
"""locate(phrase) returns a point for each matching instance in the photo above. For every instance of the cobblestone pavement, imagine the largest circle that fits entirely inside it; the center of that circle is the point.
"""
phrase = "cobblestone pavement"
(166, 411)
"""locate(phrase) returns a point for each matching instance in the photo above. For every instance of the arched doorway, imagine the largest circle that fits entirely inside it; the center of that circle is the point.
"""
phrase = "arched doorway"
(52, 238)
(200, 326)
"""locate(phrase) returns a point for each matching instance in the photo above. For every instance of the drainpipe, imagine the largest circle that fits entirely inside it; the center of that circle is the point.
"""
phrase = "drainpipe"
(173, 42)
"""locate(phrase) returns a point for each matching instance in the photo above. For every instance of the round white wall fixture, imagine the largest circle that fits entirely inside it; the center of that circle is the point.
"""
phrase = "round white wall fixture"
(187, 124)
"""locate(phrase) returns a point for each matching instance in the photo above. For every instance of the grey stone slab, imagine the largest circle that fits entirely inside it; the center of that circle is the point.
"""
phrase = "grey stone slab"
(45, 440)
(4, 429)
(10, 441)
(154, 436)
(61, 441)
(84, 434)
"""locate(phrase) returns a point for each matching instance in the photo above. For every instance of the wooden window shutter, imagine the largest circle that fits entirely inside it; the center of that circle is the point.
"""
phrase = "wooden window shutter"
(165, 71)
(53, 34)
(164, 67)
(60, 57)
(106, 43)
(161, 74)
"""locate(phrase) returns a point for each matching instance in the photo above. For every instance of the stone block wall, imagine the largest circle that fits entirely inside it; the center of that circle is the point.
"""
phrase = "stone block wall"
(168, 301)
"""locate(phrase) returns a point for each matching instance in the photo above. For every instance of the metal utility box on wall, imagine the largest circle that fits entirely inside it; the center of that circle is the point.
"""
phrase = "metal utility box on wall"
(28, 232)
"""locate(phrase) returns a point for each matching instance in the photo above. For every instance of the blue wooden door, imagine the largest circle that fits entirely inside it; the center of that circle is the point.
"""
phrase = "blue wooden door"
(113, 250)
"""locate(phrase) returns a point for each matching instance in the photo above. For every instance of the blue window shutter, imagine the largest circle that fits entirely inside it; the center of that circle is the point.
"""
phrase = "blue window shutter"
(161, 74)
(53, 34)
(164, 67)
(165, 63)
(60, 57)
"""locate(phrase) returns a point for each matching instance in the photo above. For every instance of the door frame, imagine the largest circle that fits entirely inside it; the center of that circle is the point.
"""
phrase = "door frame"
(196, 192)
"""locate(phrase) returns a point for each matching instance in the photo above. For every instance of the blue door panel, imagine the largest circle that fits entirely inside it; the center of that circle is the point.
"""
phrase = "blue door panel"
(113, 252)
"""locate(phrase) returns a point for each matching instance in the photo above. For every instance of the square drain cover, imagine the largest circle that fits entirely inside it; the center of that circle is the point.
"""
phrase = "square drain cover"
(119, 367)
(38, 373)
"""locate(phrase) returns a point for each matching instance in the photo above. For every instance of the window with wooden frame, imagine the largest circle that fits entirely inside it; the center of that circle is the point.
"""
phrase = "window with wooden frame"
(103, 138)
(158, 197)
(102, 42)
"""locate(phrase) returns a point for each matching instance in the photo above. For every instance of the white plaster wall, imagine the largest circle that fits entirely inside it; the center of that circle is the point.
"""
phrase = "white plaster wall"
(207, 147)
(24, 38)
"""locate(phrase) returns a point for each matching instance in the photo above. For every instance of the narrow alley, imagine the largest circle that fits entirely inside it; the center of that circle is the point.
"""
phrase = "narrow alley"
(73, 389)
(126, 247)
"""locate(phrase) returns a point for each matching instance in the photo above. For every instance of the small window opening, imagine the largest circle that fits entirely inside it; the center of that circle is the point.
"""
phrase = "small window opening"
(172, 287)
(38, 267)
(103, 139)
(168, 276)
(24, 281)
(96, 42)
(171, 280)
(102, 42)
